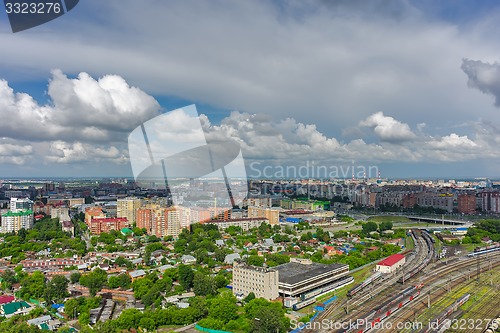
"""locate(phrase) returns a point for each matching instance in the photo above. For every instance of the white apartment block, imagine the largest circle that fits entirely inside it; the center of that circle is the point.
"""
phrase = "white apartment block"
(263, 282)
(245, 223)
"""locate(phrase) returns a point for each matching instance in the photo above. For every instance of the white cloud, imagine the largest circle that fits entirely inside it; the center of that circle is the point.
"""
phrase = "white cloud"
(64, 152)
(80, 109)
(453, 142)
(388, 129)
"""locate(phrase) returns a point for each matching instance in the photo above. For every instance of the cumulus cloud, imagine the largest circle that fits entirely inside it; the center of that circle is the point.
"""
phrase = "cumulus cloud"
(388, 129)
(289, 141)
(64, 152)
(82, 109)
(483, 76)
(15, 150)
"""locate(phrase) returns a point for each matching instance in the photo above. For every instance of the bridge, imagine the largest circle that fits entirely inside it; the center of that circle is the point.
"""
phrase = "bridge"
(440, 220)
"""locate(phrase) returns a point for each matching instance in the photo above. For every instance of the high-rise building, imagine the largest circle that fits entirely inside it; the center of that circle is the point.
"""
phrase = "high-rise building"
(20, 215)
(127, 207)
(23, 204)
(466, 203)
(161, 221)
(273, 215)
(14, 221)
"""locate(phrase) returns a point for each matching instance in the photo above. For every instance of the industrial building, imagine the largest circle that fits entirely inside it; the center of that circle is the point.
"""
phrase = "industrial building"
(301, 277)
(261, 281)
(391, 263)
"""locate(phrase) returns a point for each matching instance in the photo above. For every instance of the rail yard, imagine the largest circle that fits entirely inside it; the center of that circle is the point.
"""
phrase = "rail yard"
(425, 295)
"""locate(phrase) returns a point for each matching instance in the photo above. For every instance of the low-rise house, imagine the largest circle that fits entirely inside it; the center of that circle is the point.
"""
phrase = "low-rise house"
(39, 321)
(188, 259)
(4, 299)
(134, 275)
(14, 308)
(230, 258)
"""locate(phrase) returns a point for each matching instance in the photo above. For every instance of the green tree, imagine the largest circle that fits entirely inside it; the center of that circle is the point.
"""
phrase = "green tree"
(256, 260)
(56, 289)
(8, 279)
(369, 227)
(94, 281)
(33, 286)
(223, 307)
(72, 308)
(129, 318)
(186, 276)
(75, 277)
(141, 287)
(383, 226)
(204, 285)
(249, 297)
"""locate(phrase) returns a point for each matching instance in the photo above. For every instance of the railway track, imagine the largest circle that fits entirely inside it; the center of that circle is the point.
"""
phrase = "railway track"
(379, 289)
(405, 314)
(427, 280)
(433, 272)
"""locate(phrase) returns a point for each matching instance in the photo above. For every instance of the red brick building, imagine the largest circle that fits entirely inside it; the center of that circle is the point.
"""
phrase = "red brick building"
(466, 203)
(106, 224)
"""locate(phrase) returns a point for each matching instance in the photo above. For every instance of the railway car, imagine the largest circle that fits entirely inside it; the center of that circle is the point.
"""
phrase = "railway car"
(311, 294)
(363, 284)
(484, 248)
(342, 282)
(303, 304)
(483, 252)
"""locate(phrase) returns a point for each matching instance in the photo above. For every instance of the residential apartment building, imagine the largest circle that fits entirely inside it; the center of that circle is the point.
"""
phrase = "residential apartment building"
(14, 221)
(273, 215)
(127, 207)
(244, 223)
(106, 224)
(466, 203)
(491, 201)
(161, 221)
(93, 212)
(23, 204)
(261, 281)
(19, 216)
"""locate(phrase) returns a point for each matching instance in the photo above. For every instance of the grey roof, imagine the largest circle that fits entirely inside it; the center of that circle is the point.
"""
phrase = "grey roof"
(136, 261)
(268, 241)
(292, 272)
(39, 320)
(188, 257)
(230, 258)
(165, 267)
(137, 273)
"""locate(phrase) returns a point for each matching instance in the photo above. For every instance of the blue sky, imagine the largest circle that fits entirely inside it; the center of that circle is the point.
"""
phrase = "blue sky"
(409, 86)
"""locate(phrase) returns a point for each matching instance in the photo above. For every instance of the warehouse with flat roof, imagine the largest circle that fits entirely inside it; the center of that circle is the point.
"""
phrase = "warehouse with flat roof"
(299, 278)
